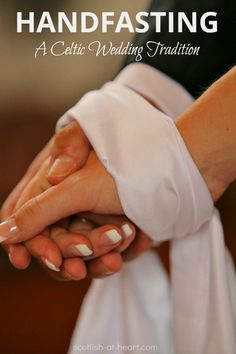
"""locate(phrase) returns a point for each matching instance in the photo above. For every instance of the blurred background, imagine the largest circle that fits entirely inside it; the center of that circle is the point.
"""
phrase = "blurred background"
(37, 313)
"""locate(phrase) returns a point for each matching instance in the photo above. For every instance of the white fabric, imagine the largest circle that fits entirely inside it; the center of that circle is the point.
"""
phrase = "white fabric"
(131, 308)
(162, 192)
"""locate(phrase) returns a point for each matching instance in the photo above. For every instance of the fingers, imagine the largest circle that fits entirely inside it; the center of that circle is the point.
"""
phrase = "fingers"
(129, 233)
(128, 230)
(141, 244)
(37, 185)
(41, 247)
(71, 244)
(40, 212)
(69, 152)
(70, 142)
(98, 241)
(74, 269)
(102, 219)
(18, 255)
(104, 266)
(74, 243)
(91, 188)
(71, 269)
(45, 250)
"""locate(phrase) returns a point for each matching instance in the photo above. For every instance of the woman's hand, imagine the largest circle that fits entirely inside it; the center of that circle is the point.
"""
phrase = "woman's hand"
(78, 237)
(89, 249)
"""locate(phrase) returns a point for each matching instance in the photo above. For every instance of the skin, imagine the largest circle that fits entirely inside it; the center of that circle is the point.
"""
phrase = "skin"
(208, 129)
(38, 179)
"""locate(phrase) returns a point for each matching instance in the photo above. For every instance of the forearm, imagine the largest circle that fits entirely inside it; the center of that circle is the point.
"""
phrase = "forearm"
(208, 128)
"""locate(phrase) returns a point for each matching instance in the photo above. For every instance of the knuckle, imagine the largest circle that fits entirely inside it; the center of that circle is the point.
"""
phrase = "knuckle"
(66, 132)
(32, 208)
(59, 137)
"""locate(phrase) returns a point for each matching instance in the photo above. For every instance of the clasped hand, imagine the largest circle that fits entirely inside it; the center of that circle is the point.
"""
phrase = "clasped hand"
(66, 213)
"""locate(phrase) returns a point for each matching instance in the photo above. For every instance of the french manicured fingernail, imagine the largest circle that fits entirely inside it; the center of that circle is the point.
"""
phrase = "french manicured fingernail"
(8, 229)
(10, 256)
(127, 230)
(110, 238)
(62, 166)
(50, 265)
(81, 250)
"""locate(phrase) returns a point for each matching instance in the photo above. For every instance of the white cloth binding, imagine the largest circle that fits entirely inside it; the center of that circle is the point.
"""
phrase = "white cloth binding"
(162, 192)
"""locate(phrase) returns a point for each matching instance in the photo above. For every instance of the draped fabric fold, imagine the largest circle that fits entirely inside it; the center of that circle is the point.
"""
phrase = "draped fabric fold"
(161, 191)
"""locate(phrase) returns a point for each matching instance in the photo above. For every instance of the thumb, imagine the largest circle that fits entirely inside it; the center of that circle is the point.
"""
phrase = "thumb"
(69, 152)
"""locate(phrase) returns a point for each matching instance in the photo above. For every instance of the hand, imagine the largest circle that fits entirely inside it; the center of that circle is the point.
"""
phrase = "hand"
(41, 246)
(66, 152)
(44, 249)
(89, 233)
(139, 245)
(91, 188)
(89, 249)
(35, 182)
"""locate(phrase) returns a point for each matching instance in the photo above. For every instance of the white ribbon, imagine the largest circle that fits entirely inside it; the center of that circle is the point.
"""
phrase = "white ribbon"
(161, 191)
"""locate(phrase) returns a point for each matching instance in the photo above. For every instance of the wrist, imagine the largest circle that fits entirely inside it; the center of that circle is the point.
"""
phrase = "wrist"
(214, 164)
(215, 178)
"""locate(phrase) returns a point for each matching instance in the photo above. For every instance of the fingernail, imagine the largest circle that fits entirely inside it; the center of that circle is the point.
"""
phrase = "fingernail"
(109, 273)
(62, 166)
(10, 256)
(81, 250)
(8, 229)
(50, 265)
(127, 230)
(111, 237)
